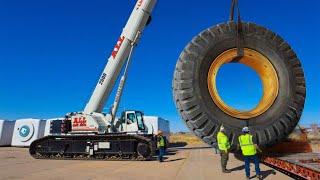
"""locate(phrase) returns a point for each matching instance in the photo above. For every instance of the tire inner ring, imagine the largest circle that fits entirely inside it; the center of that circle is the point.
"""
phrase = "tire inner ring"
(262, 66)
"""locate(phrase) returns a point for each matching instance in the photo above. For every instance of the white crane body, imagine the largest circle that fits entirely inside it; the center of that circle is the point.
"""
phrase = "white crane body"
(91, 134)
(92, 118)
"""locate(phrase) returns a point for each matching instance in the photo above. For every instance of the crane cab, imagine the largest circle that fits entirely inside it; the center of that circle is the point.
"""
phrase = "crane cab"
(132, 121)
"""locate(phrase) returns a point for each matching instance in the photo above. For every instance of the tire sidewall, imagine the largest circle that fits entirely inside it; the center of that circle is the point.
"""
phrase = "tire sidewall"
(266, 46)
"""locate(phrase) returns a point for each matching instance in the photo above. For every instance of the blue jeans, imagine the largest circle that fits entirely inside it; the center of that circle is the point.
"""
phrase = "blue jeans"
(161, 153)
(255, 159)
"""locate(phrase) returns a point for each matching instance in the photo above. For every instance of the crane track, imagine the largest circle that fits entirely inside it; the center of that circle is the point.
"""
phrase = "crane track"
(75, 147)
(90, 158)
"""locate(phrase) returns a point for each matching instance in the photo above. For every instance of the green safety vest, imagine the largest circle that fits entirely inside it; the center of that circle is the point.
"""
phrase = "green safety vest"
(247, 146)
(161, 142)
(223, 141)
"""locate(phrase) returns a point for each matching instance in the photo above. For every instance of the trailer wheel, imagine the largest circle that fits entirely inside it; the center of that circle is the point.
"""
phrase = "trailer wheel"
(278, 67)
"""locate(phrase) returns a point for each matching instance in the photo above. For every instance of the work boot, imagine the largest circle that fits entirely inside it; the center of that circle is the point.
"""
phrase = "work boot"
(226, 171)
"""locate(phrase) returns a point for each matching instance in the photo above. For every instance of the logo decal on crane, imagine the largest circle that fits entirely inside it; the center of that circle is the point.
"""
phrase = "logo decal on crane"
(79, 122)
(117, 47)
(140, 3)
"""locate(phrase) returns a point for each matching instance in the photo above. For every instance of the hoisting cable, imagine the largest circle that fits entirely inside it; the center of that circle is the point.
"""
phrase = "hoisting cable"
(239, 32)
(123, 79)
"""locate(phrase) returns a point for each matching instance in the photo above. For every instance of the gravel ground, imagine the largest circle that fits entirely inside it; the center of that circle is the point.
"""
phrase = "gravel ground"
(197, 162)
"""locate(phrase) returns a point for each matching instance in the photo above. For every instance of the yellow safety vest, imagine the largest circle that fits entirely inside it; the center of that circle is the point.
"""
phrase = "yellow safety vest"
(223, 141)
(161, 142)
(247, 146)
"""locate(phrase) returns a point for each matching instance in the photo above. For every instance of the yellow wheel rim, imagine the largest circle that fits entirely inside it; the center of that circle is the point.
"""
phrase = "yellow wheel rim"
(262, 66)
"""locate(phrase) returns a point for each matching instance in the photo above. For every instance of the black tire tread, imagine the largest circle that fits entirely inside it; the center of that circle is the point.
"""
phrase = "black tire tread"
(188, 103)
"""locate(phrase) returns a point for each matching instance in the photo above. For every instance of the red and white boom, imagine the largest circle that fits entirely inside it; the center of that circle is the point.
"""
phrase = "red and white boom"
(128, 39)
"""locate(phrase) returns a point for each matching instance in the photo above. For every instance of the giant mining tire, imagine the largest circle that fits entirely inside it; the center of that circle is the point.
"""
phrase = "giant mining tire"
(269, 55)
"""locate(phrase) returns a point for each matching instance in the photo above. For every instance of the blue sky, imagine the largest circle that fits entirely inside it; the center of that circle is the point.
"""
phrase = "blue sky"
(52, 53)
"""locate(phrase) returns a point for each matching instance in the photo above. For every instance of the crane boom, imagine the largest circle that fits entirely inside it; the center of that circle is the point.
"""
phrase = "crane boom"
(91, 134)
(135, 25)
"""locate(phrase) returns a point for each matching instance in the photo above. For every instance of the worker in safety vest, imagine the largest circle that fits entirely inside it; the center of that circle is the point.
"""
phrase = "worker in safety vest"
(224, 146)
(249, 151)
(161, 144)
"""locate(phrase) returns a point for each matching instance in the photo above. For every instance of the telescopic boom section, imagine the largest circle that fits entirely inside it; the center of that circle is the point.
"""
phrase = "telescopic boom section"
(135, 25)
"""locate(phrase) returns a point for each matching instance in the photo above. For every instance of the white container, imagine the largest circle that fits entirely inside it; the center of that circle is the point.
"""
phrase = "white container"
(49, 129)
(6, 132)
(26, 131)
(155, 123)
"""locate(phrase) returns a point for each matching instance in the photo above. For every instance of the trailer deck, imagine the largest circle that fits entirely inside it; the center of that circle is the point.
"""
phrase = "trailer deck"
(298, 165)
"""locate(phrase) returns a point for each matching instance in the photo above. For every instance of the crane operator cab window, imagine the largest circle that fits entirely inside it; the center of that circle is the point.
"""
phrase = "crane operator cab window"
(135, 119)
(140, 120)
(131, 118)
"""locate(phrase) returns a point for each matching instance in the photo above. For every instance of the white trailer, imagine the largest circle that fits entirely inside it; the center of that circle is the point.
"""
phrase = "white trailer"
(155, 124)
(26, 131)
(6, 132)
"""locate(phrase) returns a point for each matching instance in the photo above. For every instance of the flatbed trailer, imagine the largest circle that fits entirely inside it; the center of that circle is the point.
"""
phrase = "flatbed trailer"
(297, 165)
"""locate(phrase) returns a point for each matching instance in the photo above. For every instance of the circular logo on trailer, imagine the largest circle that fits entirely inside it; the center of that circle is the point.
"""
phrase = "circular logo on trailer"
(24, 131)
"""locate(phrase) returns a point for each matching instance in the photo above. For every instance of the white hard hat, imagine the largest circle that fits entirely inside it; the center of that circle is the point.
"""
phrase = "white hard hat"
(245, 129)
(222, 128)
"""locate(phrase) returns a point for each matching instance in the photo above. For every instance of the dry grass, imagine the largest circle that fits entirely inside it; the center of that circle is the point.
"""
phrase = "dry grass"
(190, 139)
(187, 139)
(315, 146)
(314, 137)
(314, 140)
(297, 135)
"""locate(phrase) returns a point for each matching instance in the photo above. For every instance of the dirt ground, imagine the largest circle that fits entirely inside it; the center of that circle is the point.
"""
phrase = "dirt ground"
(189, 162)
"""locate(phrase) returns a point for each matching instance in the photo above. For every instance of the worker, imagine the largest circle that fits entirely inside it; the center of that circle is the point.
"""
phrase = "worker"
(249, 151)
(224, 146)
(161, 145)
